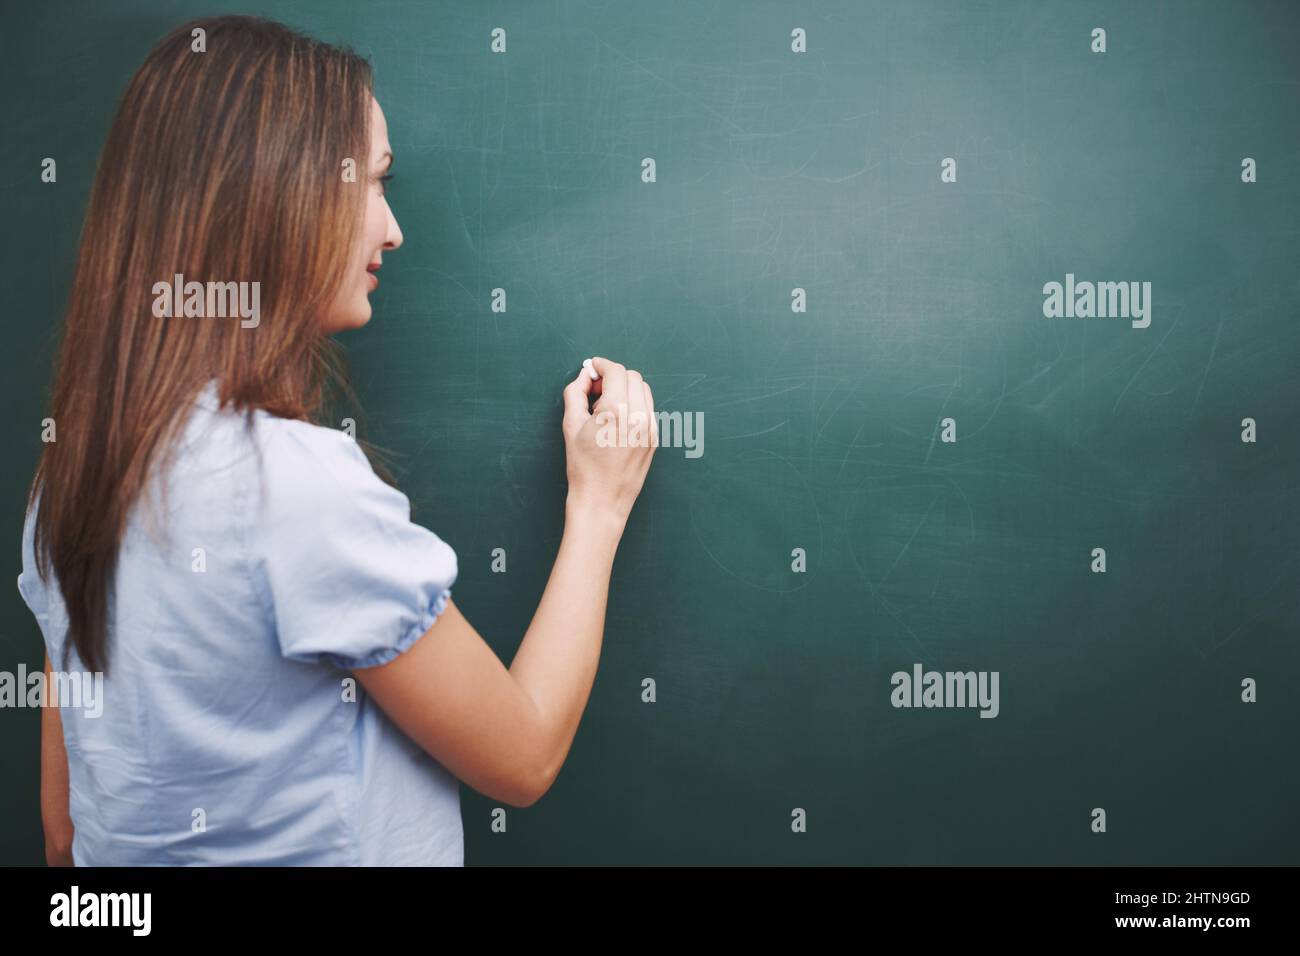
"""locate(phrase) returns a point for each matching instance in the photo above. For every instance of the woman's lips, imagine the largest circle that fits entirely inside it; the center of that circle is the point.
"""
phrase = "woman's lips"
(374, 281)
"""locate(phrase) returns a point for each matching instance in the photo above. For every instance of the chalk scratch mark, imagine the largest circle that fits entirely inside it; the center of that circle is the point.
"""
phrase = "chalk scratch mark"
(1143, 365)
(1213, 348)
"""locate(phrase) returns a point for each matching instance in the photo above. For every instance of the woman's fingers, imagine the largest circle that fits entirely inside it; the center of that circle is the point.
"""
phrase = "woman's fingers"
(619, 387)
(577, 394)
(638, 425)
(650, 411)
(613, 384)
(608, 449)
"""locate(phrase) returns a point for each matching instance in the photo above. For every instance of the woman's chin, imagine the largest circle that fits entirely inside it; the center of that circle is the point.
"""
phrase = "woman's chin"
(353, 319)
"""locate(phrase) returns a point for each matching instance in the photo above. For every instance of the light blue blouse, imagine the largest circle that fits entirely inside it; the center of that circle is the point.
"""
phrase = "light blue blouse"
(275, 561)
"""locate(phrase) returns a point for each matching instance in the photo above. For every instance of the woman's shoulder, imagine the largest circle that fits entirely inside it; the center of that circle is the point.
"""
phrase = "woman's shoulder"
(300, 458)
(306, 466)
(308, 445)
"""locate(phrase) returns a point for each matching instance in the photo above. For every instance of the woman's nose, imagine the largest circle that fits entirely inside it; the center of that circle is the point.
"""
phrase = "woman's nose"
(394, 237)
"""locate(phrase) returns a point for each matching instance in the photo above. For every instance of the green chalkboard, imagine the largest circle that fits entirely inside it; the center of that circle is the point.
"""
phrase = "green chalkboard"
(828, 414)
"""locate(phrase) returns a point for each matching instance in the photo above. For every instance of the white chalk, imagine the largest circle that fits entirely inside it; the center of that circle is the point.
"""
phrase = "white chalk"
(586, 363)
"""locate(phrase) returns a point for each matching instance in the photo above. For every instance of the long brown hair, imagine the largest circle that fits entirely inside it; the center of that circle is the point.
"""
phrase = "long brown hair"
(222, 165)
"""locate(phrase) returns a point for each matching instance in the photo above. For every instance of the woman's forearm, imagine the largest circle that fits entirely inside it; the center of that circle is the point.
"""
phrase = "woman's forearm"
(557, 660)
(55, 819)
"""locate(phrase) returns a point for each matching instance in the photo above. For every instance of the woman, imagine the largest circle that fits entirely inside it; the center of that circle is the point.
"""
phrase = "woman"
(230, 565)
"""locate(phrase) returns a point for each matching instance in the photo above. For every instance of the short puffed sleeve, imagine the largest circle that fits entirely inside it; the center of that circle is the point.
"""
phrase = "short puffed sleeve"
(350, 578)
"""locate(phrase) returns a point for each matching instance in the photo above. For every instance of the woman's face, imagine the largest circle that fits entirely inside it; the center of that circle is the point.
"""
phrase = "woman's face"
(379, 231)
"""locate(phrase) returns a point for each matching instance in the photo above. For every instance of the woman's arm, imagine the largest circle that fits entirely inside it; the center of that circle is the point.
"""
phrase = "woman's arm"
(55, 818)
(506, 733)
